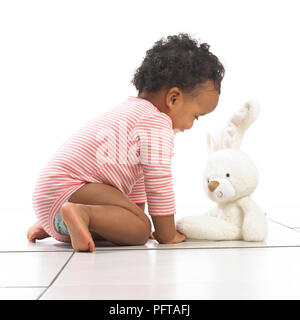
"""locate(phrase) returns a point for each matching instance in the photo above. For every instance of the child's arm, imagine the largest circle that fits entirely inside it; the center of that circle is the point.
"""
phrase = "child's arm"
(165, 231)
(155, 139)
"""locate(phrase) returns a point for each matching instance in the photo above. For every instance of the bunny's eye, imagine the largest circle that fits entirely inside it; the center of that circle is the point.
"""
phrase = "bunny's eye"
(227, 175)
(207, 180)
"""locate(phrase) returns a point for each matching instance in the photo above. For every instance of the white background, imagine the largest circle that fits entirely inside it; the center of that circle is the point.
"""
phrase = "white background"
(63, 62)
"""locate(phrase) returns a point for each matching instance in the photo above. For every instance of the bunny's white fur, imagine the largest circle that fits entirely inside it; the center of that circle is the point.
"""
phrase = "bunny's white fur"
(230, 177)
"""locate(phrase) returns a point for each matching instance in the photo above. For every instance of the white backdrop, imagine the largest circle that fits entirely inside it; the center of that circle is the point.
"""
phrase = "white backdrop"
(63, 62)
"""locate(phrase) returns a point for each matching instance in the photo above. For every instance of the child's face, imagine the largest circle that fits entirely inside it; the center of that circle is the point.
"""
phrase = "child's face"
(183, 109)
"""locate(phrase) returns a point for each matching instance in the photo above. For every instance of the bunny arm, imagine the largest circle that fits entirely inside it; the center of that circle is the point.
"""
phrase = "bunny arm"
(255, 223)
(208, 227)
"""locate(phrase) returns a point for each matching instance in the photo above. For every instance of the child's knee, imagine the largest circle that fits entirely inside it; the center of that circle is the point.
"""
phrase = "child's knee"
(140, 236)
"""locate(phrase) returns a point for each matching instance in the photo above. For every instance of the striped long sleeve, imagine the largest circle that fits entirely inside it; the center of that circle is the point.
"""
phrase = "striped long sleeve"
(156, 141)
(138, 192)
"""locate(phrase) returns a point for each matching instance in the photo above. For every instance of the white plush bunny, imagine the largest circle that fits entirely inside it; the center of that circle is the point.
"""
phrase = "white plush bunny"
(230, 177)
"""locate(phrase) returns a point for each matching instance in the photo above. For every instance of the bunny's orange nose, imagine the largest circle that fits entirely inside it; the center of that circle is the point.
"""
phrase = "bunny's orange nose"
(212, 185)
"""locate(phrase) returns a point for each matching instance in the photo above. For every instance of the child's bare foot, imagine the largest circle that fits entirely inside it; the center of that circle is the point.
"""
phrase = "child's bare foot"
(77, 221)
(36, 231)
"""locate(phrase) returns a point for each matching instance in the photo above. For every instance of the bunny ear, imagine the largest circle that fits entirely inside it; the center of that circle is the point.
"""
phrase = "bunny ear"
(246, 115)
(231, 136)
(215, 140)
(210, 142)
(239, 122)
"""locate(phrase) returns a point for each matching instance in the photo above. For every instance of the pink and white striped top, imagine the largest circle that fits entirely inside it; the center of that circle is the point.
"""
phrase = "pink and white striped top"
(129, 147)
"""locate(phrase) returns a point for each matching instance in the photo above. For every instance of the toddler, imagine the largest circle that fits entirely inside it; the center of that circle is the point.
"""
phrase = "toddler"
(97, 183)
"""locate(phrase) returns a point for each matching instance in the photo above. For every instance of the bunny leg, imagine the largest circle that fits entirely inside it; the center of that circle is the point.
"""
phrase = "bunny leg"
(255, 224)
(206, 227)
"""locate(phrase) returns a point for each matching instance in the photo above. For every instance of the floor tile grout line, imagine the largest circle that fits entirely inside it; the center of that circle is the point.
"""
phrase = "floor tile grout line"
(206, 248)
(26, 251)
(22, 287)
(143, 249)
(57, 275)
(282, 224)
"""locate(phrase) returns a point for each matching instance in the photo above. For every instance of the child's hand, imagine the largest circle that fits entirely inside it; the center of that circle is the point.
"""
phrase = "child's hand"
(178, 237)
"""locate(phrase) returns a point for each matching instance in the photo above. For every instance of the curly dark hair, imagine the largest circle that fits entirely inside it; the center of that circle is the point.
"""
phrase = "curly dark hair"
(178, 62)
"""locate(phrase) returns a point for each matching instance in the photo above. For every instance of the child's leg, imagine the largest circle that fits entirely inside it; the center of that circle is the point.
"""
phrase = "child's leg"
(113, 223)
(106, 211)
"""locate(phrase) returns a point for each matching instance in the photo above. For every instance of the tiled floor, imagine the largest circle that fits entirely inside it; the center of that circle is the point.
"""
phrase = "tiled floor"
(189, 270)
